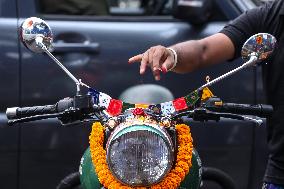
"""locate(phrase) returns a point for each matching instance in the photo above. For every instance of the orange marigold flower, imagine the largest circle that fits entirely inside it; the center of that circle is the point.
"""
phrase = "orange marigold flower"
(184, 139)
(180, 172)
(156, 187)
(108, 180)
(182, 129)
(175, 179)
(114, 185)
(183, 165)
(125, 187)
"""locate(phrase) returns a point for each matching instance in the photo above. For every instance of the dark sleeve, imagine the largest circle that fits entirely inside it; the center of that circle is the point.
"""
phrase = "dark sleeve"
(249, 23)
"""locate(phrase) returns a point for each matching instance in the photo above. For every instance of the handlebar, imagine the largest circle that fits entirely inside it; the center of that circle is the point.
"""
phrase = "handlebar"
(261, 110)
(17, 112)
(81, 108)
(60, 106)
(68, 110)
(216, 105)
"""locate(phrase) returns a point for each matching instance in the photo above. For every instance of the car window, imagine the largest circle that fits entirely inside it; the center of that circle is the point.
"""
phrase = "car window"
(260, 2)
(105, 7)
(144, 9)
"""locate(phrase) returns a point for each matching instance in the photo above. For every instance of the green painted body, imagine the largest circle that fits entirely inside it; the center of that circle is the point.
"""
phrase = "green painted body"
(89, 178)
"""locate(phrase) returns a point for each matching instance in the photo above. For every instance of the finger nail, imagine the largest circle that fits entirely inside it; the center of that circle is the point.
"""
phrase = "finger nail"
(164, 70)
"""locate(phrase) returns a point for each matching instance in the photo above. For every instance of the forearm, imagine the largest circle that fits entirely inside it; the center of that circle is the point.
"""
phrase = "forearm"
(189, 56)
(195, 54)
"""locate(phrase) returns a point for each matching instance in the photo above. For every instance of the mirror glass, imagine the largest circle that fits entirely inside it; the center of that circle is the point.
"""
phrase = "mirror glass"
(33, 28)
(262, 45)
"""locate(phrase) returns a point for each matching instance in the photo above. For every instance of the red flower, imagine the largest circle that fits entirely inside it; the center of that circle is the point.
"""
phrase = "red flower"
(138, 111)
(114, 107)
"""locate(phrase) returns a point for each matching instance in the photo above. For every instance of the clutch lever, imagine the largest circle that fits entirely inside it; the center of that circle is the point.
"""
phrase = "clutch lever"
(72, 116)
(76, 115)
(32, 118)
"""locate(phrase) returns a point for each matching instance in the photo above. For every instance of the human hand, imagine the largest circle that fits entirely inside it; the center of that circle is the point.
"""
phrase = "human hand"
(158, 58)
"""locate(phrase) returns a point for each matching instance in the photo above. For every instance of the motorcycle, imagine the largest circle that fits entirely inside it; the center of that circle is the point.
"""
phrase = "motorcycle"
(139, 145)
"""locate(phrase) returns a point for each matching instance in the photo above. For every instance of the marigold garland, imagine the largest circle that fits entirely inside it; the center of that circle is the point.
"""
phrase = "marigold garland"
(171, 181)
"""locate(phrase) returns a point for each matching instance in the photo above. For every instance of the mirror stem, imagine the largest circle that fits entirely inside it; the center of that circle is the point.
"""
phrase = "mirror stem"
(252, 61)
(64, 69)
(39, 42)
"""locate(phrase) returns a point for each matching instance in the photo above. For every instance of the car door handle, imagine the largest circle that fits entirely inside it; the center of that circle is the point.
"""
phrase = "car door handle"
(62, 47)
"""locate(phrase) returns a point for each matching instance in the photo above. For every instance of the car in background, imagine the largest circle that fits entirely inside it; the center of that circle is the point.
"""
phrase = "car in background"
(94, 41)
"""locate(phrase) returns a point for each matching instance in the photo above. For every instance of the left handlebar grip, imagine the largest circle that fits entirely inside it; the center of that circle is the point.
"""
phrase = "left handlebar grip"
(17, 112)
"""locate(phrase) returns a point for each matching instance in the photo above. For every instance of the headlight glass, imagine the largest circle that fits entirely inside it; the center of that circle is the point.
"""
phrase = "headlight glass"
(139, 155)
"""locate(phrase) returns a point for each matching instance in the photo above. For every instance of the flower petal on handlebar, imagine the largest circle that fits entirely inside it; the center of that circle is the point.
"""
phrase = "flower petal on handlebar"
(180, 104)
(115, 107)
(138, 112)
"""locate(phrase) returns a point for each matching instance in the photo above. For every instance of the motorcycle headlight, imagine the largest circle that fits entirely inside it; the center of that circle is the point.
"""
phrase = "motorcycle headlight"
(140, 155)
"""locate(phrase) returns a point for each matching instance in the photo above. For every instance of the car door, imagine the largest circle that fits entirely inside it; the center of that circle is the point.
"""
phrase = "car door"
(9, 93)
(96, 48)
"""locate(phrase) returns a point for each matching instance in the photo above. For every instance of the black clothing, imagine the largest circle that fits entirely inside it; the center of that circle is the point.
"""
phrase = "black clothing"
(267, 19)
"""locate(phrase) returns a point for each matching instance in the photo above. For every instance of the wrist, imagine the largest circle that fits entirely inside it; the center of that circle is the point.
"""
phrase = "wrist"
(174, 53)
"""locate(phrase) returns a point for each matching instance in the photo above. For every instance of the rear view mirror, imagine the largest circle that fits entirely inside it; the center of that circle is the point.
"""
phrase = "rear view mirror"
(260, 45)
(194, 11)
(35, 31)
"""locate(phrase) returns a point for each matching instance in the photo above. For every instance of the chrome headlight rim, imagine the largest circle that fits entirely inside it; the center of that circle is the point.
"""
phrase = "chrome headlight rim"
(157, 129)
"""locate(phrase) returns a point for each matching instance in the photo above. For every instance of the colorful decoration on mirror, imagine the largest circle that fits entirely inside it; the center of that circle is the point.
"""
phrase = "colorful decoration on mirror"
(259, 39)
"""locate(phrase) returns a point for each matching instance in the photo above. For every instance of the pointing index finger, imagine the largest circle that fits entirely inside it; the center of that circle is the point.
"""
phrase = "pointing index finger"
(136, 58)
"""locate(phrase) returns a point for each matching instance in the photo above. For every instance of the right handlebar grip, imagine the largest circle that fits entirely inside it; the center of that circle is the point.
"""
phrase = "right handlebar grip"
(261, 110)
(17, 113)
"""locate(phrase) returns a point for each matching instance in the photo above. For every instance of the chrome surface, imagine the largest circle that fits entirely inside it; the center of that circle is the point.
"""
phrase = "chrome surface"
(37, 36)
(35, 31)
(250, 62)
(139, 154)
(11, 112)
(261, 45)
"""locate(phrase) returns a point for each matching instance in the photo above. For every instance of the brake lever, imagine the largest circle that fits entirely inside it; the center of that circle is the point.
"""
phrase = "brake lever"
(256, 120)
(240, 117)
(203, 114)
